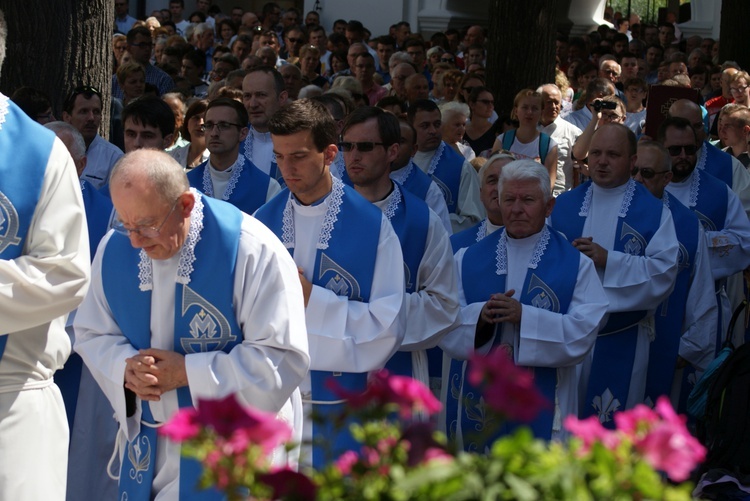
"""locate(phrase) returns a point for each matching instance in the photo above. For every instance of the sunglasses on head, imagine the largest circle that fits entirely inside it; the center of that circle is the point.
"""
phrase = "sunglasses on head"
(362, 146)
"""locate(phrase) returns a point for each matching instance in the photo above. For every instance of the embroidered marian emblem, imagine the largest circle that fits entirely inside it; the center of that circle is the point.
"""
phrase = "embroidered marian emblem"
(209, 329)
(8, 223)
(342, 283)
(139, 455)
(705, 221)
(635, 244)
(546, 299)
(444, 189)
(605, 405)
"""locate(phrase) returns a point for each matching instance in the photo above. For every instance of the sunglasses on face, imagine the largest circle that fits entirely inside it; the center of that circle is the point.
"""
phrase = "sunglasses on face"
(362, 147)
(646, 173)
(675, 150)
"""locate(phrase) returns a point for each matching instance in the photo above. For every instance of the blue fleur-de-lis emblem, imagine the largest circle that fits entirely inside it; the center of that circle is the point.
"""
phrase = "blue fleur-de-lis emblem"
(606, 404)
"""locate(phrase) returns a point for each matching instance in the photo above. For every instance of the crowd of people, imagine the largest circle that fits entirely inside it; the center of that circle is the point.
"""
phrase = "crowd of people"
(280, 204)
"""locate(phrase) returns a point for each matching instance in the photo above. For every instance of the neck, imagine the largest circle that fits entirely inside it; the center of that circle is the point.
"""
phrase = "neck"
(260, 128)
(678, 178)
(223, 161)
(376, 191)
(546, 121)
(496, 219)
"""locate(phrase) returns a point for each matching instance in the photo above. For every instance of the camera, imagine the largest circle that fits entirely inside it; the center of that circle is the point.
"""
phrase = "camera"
(600, 105)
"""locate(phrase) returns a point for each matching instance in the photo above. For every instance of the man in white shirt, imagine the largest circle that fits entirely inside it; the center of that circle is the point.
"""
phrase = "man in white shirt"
(563, 132)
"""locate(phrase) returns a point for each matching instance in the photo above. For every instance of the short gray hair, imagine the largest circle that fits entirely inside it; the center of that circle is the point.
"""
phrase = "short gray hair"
(162, 171)
(655, 145)
(454, 107)
(398, 58)
(63, 130)
(3, 37)
(497, 157)
(526, 170)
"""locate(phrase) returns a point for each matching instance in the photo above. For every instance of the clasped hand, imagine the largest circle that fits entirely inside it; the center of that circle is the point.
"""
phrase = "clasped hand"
(501, 308)
(154, 372)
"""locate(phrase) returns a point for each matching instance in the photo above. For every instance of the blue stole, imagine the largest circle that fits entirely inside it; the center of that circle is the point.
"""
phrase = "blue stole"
(670, 315)
(445, 170)
(416, 181)
(344, 264)
(710, 205)
(204, 321)
(614, 353)
(410, 218)
(247, 151)
(549, 284)
(718, 163)
(21, 177)
(248, 193)
(98, 214)
(469, 236)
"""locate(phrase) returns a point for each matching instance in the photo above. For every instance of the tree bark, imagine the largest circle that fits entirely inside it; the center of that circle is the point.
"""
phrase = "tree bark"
(521, 47)
(734, 16)
(56, 45)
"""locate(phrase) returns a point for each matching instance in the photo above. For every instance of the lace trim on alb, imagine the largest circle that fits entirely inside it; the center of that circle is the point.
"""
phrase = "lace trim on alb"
(401, 175)
(501, 254)
(329, 220)
(702, 155)
(187, 253)
(393, 203)
(4, 106)
(627, 198)
(83, 185)
(208, 185)
(586, 205)
(339, 166)
(665, 199)
(436, 158)
(695, 188)
(482, 230)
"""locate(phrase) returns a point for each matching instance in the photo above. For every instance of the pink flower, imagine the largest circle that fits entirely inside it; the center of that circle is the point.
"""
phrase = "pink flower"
(668, 446)
(507, 389)
(422, 445)
(590, 430)
(346, 462)
(289, 484)
(383, 388)
(635, 421)
(183, 426)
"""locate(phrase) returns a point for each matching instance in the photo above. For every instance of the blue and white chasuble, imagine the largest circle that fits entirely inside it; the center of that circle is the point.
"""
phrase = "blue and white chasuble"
(716, 162)
(246, 150)
(344, 264)
(19, 194)
(413, 179)
(445, 169)
(638, 220)
(469, 236)
(549, 284)
(247, 188)
(204, 321)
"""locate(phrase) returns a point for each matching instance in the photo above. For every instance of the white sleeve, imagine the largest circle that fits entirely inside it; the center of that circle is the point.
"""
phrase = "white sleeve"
(432, 311)
(273, 357)
(274, 188)
(51, 276)
(436, 201)
(698, 341)
(741, 184)
(469, 209)
(642, 282)
(549, 339)
(729, 249)
(354, 336)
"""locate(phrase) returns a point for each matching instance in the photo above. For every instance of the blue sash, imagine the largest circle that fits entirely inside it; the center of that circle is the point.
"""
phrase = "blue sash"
(410, 220)
(614, 353)
(204, 321)
(249, 192)
(447, 174)
(416, 181)
(21, 176)
(98, 214)
(711, 202)
(469, 236)
(718, 163)
(549, 284)
(247, 151)
(670, 315)
(344, 264)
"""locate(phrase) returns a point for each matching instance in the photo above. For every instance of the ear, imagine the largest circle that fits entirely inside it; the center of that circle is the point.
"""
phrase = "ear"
(329, 153)
(392, 153)
(167, 141)
(283, 97)
(548, 206)
(66, 117)
(187, 202)
(243, 133)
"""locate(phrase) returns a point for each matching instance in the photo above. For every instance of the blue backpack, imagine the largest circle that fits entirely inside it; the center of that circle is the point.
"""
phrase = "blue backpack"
(544, 140)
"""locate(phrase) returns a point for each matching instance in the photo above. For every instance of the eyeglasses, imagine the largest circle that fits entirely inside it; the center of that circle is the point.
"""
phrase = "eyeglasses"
(362, 146)
(611, 117)
(222, 126)
(738, 90)
(675, 150)
(144, 231)
(646, 173)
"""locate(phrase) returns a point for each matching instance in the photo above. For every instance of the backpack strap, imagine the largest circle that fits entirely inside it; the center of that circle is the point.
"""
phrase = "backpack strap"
(544, 140)
(508, 139)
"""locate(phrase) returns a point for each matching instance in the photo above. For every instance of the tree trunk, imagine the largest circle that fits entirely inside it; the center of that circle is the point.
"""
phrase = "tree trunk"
(56, 45)
(521, 48)
(734, 16)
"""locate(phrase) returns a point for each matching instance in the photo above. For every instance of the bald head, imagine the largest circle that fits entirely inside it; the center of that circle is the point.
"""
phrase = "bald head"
(153, 169)
(690, 111)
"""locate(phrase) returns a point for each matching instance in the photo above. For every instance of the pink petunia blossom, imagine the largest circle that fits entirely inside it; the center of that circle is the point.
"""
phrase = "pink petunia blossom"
(289, 484)
(590, 430)
(346, 462)
(183, 426)
(635, 421)
(507, 389)
(383, 388)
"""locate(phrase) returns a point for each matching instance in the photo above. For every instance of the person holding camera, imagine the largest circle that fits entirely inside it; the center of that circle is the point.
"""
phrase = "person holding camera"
(609, 109)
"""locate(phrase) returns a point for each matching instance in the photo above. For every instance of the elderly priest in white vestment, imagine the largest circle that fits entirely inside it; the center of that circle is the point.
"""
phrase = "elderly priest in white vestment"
(191, 299)
(525, 289)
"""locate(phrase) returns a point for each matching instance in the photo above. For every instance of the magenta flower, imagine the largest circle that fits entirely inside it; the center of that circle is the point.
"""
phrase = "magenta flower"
(590, 430)
(383, 388)
(668, 446)
(635, 421)
(183, 426)
(346, 462)
(507, 389)
(289, 484)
